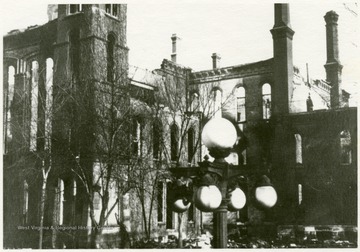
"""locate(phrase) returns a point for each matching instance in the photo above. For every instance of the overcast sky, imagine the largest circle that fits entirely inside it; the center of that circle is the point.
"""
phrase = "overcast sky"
(239, 31)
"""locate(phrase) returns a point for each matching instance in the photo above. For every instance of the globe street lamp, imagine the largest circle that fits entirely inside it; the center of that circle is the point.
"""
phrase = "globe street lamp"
(214, 193)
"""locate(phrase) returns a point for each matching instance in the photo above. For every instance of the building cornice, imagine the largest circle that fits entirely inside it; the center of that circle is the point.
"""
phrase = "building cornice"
(239, 71)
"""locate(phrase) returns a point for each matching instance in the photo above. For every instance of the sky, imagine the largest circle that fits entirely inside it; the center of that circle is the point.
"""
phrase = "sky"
(238, 31)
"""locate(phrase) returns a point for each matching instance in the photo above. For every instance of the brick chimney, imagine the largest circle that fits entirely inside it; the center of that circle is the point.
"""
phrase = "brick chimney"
(333, 67)
(282, 33)
(215, 60)
(174, 39)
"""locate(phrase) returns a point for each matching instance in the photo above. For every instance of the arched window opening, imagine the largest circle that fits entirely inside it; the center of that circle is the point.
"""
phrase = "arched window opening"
(194, 102)
(266, 100)
(174, 138)
(34, 105)
(74, 188)
(136, 138)
(49, 101)
(243, 156)
(10, 96)
(110, 58)
(61, 201)
(240, 104)
(11, 82)
(160, 202)
(298, 147)
(217, 103)
(169, 213)
(157, 137)
(345, 147)
(74, 40)
(25, 202)
(191, 213)
(191, 145)
(300, 193)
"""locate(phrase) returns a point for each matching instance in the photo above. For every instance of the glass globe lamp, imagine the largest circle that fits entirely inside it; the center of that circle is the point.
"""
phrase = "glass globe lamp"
(265, 193)
(219, 136)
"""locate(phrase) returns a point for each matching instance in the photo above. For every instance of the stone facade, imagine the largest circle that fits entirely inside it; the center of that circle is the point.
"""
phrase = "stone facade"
(299, 132)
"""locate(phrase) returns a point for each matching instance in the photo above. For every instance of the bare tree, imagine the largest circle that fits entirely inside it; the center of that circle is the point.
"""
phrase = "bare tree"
(176, 116)
(32, 111)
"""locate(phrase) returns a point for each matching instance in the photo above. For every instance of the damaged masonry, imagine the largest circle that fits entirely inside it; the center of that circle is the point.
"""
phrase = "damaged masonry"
(91, 143)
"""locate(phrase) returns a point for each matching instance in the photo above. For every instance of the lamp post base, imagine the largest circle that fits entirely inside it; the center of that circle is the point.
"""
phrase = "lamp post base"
(220, 226)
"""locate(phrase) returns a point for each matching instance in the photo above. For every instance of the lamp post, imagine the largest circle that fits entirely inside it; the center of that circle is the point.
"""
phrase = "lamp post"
(219, 136)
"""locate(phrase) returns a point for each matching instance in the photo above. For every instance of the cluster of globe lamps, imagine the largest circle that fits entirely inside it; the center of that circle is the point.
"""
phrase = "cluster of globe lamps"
(219, 136)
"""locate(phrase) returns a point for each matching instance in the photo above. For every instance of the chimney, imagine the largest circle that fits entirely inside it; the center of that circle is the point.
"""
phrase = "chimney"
(283, 60)
(333, 67)
(52, 11)
(174, 38)
(215, 60)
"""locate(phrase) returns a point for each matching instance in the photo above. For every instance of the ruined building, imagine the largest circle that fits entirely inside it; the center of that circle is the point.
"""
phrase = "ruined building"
(83, 130)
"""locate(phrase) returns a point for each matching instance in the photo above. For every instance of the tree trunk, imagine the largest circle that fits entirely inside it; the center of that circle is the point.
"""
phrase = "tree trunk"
(42, 207)
(94, 239)
(180, 240)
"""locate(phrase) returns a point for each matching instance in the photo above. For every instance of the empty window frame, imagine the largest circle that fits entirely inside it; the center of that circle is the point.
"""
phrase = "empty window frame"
(194, 102)
(74, 191)
(157, 139)
(74, 39)
(110, 57)
(191, 213)
(61, 201)
(160, 202)
(345, 147)
(10, 95)
(174, 142)
(266, 101)
(25, 202)
(112, 9)
(136, 138)
(240, 104)
(300, 194)
(34, 105)
(49, 102)
(170, 221)
(298, 148)
(74, 8)
(191, 145)
(217, 103)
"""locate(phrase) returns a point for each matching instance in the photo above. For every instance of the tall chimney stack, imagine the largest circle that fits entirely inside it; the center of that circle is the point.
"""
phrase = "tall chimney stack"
(283, 60)
(174, 39)
(333, 67)
(215, 60)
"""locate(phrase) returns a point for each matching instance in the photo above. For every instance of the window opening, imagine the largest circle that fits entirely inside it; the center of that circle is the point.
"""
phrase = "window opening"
(191, 143)
(110, 58)
(34, 105)
(298, 147)
(157, 136)
(266, 101)
(49, 102)
(345, 147)
(240, 104)
(26, 203)
(174, 142)
(217, 103)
